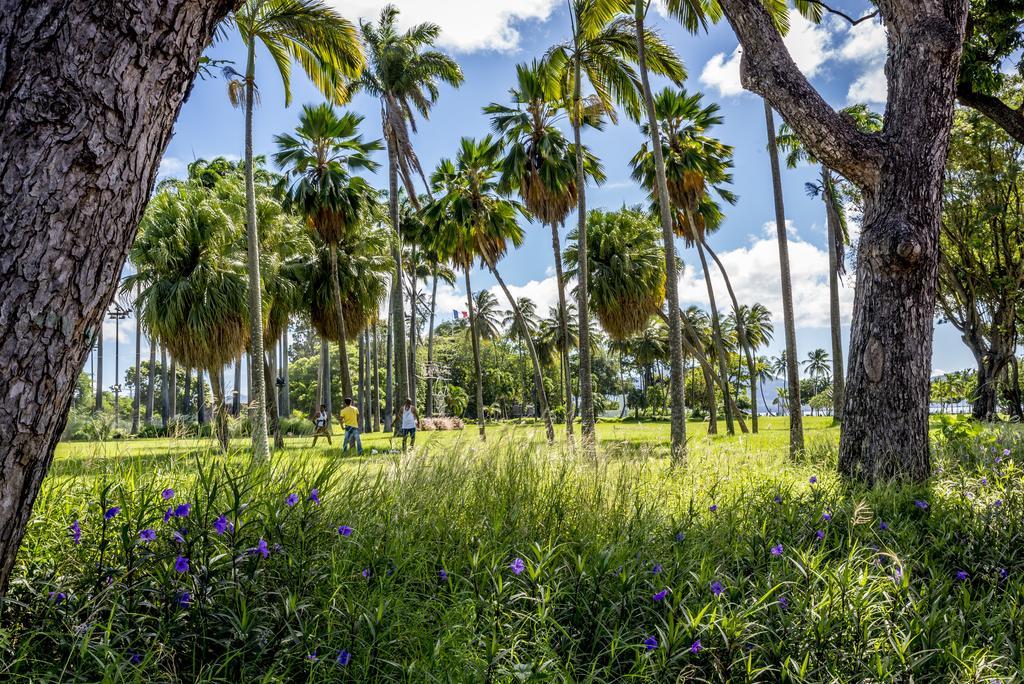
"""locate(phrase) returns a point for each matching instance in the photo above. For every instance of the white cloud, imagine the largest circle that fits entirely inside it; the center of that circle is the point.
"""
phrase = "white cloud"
(466, 25)
(543, 292)
(809, 44)
(870, 87)
(171, 167)
(755, 276)
(866, 45)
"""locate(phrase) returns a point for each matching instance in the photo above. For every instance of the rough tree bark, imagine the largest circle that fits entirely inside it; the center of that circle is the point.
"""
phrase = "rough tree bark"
(89, 90)
(900, 172)
(150, 381)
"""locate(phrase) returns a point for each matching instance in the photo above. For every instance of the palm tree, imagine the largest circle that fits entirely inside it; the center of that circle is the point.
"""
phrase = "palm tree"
(540, 165)
(523, 331)
(404, 73)
(193, 285)
(628, 269)
(475, 222)
(765, 374)
(695, 165)
(830, 189)
(817, 366)
(319, 160)
(755, 330)
(326, 47)
(602, 50)
(488, 315)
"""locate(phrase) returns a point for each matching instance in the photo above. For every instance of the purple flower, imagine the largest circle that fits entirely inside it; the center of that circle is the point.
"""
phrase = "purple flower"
(660, 596)
(183, 510)
(882, 525)
(820, 534)
(680, 536)
(923, 505)
(313, 657)
(777, 550)
(261, 548)
(344, 657)
(75, 530)
(656, 569)
(111, 512)
(517, 566)
(696, 647)
(178, 536)
(181, 564)
(650, 643)
(168, 514)
(167, 494)
(58, 597)
(184, 599)
(997, 503)
(826, 516)
(984, 481)
(314, 495)
(443, 575)
(1003, 573)
(713, 508)
(345, 531)
(717, 588)
(135, 658)
(783, 603)
(961, 575)
(221, 525)
(778, 498)
(814, 479)
(147, 535)
(292, 500)
(366, 573)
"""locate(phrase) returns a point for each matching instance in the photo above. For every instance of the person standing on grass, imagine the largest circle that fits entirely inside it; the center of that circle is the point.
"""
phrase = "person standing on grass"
(409, 422)
(320, 427)
(350, 423)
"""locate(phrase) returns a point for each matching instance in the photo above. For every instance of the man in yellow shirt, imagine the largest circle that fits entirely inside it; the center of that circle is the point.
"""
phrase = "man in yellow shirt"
(350, 421)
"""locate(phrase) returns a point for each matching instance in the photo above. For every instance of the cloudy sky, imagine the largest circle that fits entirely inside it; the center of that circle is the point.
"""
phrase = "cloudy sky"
(488, 37)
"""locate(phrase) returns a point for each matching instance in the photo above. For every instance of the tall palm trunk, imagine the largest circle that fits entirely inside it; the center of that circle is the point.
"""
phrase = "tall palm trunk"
(274, 416)
(412, 329)
(362, 402)
(201, 396)
(538, 375)
(164, 402)
(691, 345)
(325, 382)
(375, 399)
(430, 347)
(796, 422)
(99, 368)
(716, 331)
(173, 405)
(150, 391)
(186, 407)
(475, 338)
(583, 274)
(389, 398)
(236, 395)
(137, 398)
(220, 416)
(346, 378)
(400, 360)
(258, 403)
(677, 391)
(563, 329)
(286, 399)
(834, 267)
(741, 331)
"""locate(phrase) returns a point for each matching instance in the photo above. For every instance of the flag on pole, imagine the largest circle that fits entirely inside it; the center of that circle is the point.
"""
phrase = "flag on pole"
(455, 314)
(465, 314)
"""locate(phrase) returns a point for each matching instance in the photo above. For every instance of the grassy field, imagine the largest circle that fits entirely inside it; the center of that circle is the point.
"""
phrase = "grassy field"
(158, 560)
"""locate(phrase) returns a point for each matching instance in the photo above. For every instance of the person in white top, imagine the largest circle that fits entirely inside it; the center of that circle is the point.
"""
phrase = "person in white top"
(320, 427)
(409, 422)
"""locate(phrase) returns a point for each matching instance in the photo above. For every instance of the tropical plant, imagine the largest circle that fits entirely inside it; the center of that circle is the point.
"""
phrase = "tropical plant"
(601, 51)
(404, 72)
(817, 366)
(326, 47)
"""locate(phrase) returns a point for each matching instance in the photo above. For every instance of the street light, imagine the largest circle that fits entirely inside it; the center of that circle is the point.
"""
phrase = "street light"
(117, 315)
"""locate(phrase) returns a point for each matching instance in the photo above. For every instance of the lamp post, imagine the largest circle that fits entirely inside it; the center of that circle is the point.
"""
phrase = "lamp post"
(117, 315)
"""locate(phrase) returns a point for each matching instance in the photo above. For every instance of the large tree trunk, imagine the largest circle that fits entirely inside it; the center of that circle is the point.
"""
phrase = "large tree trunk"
(339, 311)
(257, 400)
(716, 331)
(677, 389)
(412, 330)
(741, 332)
(186, 407)
(582, 281)
(150, 391)
(400, 391)
(430, 348)
(273, 417)
(236, 394)
(796, 410)
(375, 382)
(389, 398)
(538, 375)
(475, 338)
(200, 396)
(165, 404)
(563, 326)
(89, 91)
(1013, 393)
(835, 267)
(172, 407)
(286, 398)
(325, 382)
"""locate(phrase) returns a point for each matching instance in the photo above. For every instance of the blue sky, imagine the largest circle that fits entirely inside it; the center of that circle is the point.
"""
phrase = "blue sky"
(488, 37)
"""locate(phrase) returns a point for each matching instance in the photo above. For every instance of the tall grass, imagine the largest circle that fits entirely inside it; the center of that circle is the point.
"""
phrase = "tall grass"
(512, 562)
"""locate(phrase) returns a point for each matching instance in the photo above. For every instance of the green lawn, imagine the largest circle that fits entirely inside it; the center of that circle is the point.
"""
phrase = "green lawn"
(510, 561)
